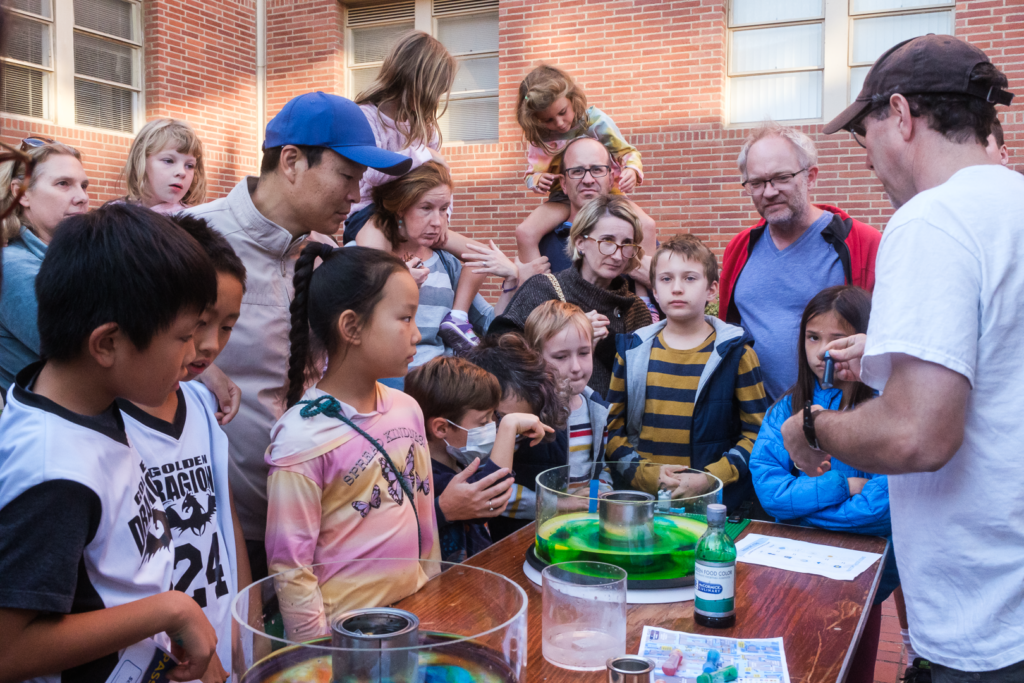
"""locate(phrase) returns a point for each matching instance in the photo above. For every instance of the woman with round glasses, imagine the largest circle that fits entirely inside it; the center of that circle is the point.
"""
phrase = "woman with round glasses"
(56, 188)
(604, 245)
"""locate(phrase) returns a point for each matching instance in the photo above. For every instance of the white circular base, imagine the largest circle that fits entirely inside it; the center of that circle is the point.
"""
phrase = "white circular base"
(633, 597)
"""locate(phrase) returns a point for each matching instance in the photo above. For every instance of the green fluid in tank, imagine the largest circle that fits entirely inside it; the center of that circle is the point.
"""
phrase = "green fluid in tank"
(577, 536)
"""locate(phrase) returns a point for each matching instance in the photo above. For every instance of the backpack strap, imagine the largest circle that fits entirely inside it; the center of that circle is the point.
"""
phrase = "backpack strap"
(558, 287)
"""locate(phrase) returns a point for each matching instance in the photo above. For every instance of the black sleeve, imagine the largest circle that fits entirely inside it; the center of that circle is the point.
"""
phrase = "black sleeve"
(43, 534)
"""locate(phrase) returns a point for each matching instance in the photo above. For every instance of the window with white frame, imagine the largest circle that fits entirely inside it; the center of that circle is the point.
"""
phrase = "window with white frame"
(467, 28)
(74, 62)
(804, 60)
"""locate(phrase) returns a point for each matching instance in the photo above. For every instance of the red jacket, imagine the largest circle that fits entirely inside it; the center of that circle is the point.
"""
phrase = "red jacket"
(856, 244)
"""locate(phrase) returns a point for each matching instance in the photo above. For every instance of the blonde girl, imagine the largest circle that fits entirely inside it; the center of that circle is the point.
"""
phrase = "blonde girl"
(552, 110)
(402, 109)
(165, 170)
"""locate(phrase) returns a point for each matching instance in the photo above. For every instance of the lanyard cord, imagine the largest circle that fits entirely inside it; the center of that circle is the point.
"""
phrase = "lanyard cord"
(331, 407)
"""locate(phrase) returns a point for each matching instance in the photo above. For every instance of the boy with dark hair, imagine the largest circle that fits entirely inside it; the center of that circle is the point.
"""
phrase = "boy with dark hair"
(471, 455)
(686, 391)
(186, 452)
(86, 554)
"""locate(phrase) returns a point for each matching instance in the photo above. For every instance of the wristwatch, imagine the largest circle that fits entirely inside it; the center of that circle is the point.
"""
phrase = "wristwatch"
(809, 433)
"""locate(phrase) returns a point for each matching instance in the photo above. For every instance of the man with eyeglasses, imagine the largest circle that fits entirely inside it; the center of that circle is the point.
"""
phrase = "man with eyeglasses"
(943, 348)
(771, 270)
(587, 175)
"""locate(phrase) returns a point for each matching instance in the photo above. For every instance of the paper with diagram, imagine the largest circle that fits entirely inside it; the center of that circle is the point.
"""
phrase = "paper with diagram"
(841, 564)
(680, 656)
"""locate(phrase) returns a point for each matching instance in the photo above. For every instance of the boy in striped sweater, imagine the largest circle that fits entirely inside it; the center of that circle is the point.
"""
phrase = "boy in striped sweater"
(686, 391)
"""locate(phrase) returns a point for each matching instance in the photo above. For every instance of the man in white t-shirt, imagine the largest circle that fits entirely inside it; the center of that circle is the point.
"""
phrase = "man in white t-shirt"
(943, 347)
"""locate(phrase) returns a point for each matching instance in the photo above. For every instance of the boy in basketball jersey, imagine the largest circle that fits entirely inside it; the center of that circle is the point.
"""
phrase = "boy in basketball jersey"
(86, 554)
(186, 453)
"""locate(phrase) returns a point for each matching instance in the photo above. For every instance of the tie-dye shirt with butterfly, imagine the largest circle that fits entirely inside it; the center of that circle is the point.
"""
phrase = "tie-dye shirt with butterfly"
(332, 497)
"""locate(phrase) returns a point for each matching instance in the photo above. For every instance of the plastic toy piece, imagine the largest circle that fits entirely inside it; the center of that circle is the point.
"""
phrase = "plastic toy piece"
(725, 675)
(713, 662)
(673, 663)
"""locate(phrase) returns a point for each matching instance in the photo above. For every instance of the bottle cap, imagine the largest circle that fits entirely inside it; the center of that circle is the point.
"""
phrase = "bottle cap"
(716, 513)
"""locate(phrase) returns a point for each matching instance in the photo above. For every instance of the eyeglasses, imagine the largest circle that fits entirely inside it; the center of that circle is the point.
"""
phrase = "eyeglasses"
(35, 141)
(577, 172)
(757, 186)
(18, 156)
(609, 247)
(859, 135)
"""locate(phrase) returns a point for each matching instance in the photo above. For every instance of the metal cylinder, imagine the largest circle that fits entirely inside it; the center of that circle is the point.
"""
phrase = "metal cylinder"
(379, 646)
(627, 518)
(630, 669)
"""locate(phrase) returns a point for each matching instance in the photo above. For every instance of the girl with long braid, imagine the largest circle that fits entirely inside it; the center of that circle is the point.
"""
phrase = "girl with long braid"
(350, 473)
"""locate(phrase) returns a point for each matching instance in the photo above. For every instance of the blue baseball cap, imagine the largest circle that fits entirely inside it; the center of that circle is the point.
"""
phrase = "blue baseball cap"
(318, 119)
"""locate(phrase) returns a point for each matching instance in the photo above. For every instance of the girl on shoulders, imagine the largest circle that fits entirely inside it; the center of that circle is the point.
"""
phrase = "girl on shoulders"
(552, 110)
(350, 474)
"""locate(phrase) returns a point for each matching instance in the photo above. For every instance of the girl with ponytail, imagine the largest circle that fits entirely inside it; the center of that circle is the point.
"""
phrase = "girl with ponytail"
(350, 474)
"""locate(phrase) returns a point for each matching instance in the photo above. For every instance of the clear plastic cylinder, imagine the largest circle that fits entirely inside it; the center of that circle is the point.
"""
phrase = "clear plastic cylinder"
(652, 534)
(472, 627)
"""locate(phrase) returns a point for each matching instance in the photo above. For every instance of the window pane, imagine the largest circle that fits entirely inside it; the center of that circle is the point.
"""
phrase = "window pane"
(476, 74)
(782, 97)
(363, 78)
(28, 41)
(469, 33)
(777, 49)
(872, 37)
(469, 120)
(372, 44)
(40, 7)
(103, 59)
(103, 106)
(868, 6)
(109, 16)
(857, 76)
(24, 91)
(747, 12)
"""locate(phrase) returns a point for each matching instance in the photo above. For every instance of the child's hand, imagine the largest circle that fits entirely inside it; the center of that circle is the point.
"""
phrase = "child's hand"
(417, 270)
(544, 182)
(481, 499)
(229, 396)
(193, 642)
(856, 485)
(530, 426)
(215, 673)
(540, 266)
(600, 324)
(628, 179)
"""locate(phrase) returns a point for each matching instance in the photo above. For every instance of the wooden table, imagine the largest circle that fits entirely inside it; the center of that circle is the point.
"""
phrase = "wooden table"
(819, 619)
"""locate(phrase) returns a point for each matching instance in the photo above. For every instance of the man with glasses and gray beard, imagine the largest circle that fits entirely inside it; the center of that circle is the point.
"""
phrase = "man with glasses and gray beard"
(771, 270)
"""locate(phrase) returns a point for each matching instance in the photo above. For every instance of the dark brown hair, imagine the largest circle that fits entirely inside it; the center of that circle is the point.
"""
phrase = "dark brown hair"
(522, 372)
(448, 387)
(852, 305)
(349, 279)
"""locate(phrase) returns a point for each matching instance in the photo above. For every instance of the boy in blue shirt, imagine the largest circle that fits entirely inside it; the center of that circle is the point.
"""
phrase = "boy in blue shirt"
(86, 555)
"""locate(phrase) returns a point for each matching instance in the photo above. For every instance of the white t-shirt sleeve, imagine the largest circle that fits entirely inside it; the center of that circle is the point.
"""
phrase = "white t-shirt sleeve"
(926, 302)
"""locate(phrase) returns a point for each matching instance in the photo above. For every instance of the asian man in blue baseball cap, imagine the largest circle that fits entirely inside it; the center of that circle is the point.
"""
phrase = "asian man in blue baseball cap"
(316, 150)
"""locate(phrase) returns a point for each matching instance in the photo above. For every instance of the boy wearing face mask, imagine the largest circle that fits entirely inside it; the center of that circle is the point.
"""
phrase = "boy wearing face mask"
(470, 455)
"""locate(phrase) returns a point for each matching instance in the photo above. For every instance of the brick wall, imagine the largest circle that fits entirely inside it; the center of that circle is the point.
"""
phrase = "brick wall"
(658, 68)
(199, 64)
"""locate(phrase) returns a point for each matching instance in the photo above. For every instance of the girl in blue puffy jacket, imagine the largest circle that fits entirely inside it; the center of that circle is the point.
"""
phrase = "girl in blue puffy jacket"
(844, 498)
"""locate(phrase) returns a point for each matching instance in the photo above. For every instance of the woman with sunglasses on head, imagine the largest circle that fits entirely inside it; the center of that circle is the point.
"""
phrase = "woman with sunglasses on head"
(56, 188)
(604, 244)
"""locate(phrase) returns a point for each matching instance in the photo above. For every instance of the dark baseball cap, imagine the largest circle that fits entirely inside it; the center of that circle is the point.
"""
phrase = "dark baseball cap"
(318, 119)
(927, 64)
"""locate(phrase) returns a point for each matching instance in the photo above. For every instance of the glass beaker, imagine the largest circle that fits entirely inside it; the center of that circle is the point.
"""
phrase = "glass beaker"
(584, 617)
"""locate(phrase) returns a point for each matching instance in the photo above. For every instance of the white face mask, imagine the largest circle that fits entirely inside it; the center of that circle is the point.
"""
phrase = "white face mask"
(479, 442)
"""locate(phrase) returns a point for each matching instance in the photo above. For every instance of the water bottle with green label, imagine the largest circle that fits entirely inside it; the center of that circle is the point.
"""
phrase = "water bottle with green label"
(714, 575)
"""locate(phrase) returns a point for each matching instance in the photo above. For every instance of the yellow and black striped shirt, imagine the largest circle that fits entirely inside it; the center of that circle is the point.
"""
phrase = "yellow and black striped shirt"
(672, 379)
